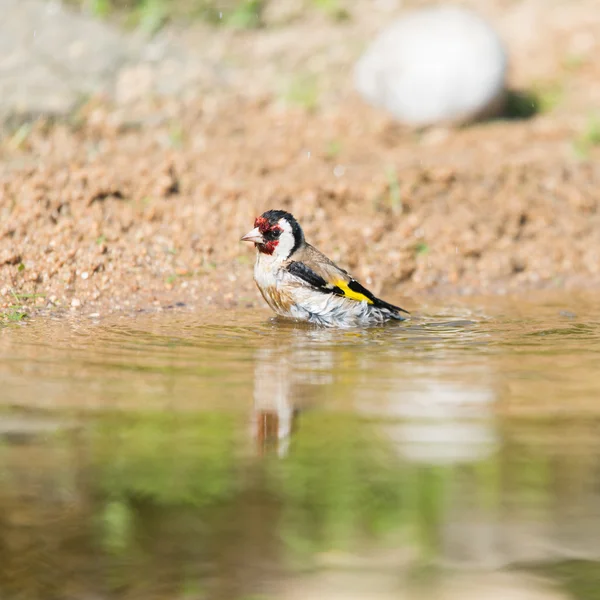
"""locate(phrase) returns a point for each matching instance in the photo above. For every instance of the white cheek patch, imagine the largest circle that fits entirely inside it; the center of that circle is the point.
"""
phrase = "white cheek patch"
(286, 240)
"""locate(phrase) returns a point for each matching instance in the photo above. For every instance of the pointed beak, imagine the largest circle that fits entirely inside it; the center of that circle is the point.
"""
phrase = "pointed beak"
(253, 236)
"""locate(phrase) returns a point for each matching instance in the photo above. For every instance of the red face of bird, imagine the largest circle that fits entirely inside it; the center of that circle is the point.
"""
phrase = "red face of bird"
(275, 233)
(265, 235)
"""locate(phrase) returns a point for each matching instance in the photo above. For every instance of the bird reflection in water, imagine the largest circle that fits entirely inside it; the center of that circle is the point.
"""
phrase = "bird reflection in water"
(285, 377)
(274, 413)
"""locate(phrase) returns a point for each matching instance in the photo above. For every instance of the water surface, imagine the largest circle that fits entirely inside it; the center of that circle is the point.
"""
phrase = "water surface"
(230, 455)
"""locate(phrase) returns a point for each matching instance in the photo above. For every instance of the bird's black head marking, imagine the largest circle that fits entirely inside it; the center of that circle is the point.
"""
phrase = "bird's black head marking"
(270, 218)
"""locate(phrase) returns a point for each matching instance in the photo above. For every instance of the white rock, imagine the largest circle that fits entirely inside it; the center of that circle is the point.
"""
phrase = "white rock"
(443, 64)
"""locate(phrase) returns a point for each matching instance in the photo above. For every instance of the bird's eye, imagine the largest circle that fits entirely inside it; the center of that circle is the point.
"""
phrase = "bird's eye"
(275, 233)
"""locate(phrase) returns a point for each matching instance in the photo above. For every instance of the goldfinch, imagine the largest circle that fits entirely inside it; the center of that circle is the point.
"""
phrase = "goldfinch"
(299, 282)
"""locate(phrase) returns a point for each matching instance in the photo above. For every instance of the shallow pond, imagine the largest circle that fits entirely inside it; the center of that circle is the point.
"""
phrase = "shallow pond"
(232, 456)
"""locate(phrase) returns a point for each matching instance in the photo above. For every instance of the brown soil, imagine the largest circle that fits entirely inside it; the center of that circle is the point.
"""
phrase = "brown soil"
(112, 211)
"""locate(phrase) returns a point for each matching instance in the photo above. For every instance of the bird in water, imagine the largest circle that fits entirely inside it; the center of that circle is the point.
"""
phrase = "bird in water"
(300, 282)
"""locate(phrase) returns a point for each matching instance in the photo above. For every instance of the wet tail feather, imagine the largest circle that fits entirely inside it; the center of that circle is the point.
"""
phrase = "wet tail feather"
(397, 316)
(377, 302)
(395, 310)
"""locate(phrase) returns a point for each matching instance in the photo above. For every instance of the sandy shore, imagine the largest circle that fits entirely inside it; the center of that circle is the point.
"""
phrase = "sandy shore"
(122, 210)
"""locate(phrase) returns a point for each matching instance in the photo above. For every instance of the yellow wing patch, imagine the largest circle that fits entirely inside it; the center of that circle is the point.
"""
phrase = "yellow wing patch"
(348, 293)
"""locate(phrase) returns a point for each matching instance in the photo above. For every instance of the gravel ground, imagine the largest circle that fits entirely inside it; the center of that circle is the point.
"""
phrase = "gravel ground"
(123, 208)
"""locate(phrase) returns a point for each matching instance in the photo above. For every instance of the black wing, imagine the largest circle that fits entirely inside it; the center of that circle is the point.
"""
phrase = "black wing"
(300, 270)
(304, 272)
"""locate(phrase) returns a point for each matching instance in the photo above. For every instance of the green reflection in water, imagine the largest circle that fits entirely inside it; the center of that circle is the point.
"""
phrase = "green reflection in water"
(162, 506)
(143, 479)
(168, 459)
(340, 482)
